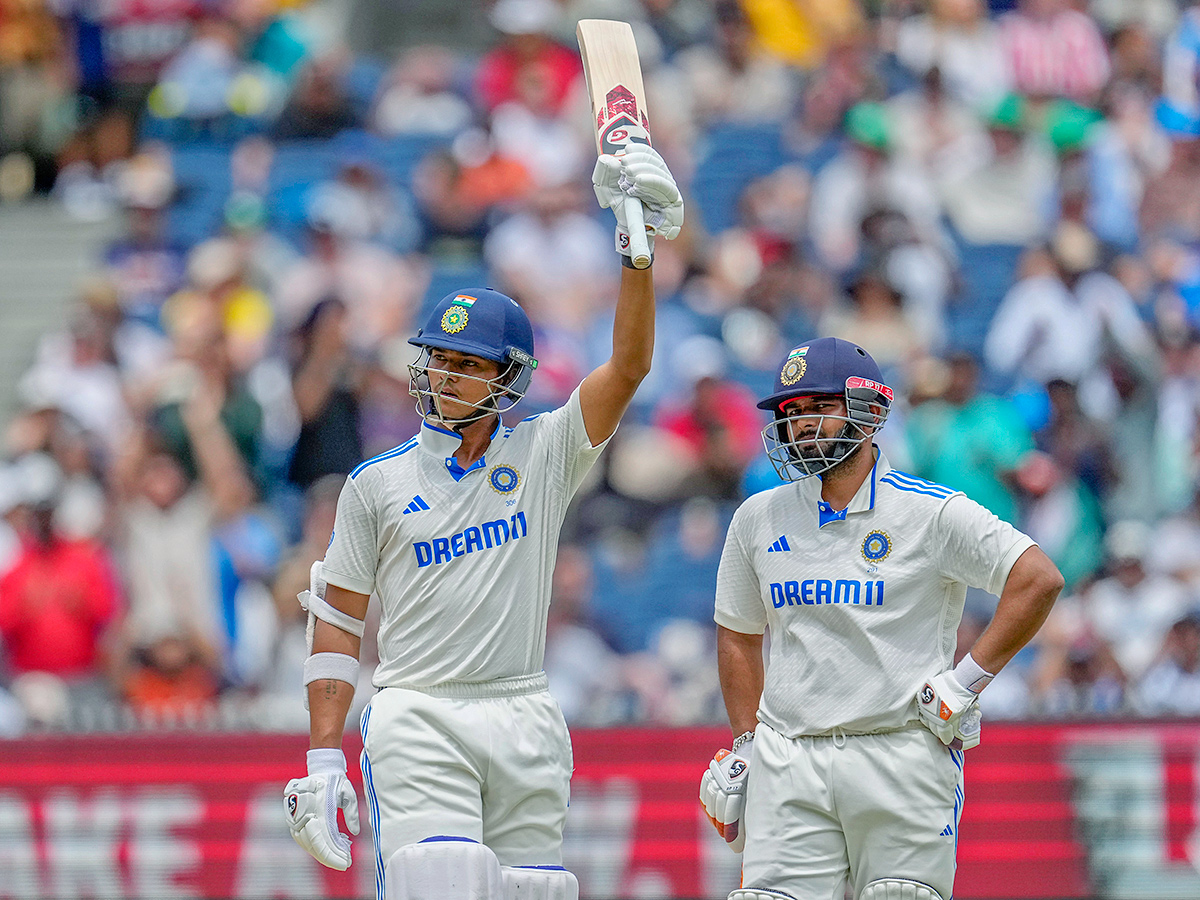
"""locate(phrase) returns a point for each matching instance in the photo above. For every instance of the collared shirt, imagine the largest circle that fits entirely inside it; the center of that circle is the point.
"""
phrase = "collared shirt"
(461, 559)
(862, 604)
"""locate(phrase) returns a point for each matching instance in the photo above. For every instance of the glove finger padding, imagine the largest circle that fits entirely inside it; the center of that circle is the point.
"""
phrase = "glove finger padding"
(311, 806)
(723, 795)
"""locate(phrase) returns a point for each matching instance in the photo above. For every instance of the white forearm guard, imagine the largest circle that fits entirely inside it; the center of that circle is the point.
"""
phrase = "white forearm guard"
(339, 666)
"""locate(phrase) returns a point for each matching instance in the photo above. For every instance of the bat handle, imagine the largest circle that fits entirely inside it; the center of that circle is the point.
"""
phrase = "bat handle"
(639, 247)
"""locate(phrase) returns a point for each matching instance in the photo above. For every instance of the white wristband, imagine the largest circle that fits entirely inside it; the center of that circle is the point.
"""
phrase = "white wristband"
(326, 761)
(971, 675)
(338, 666)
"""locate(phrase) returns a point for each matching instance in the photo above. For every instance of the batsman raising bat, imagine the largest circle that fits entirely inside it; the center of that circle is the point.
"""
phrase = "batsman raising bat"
(848, 765)
(466, 759)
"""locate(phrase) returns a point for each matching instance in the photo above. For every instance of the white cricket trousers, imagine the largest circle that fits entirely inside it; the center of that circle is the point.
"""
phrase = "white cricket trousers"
(824, 810)
(489, 761)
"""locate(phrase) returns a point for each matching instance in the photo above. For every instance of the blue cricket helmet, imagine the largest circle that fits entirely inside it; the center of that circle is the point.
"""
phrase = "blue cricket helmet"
(824, 366)
(827, 366)
(483, 322)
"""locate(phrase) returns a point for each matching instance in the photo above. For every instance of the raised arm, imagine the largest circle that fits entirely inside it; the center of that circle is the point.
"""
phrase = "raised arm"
(641, 173)
(605, 394)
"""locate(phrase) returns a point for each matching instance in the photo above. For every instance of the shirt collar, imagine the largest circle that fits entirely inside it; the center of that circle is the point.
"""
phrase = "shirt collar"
(443, 443)
(863, 499)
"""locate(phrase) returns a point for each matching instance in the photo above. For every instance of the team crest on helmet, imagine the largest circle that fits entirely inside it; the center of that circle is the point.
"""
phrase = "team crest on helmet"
(876, 546)
(504, 479)
(794, 366)
(454, 319)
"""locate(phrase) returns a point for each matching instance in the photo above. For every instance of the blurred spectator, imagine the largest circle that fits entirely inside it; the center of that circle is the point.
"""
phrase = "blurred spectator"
(204, 412)
(417, 95)
(718, 424)
(936, 131)
(1075, 441)
(970, 441)
(877, 321)
(380, 289)
(1171, 204)
(35, 101)
(555, 257)
(1054, 50)
(1079, 679)
(459, 190)
(732, 79)
(1132, 609)
(957, 38)
(678, 24)
(319, 106)
(91, 163)
(865, 177)
(1055, 322)
(59, 596)
(1172, 686)
(362, 206)
(326, 381)
(1002, 197)
(527, 58)
(146, 266)
(170, 682)
(165, 535)
(198, 83)
(1063, 517)
(804, 35)
(585, 674)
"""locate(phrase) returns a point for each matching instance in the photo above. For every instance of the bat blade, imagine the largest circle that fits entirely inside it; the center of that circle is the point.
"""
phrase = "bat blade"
(614, 81)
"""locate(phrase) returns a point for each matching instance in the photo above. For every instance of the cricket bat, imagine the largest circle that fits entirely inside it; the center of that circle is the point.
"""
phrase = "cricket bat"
(614, 82)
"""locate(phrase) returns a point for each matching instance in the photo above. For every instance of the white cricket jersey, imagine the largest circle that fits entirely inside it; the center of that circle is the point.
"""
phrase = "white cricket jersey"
(461, 561)
(862, 605)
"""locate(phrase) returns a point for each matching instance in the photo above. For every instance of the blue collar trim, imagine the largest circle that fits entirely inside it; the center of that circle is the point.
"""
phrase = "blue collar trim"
(458, 473)
(862, 501)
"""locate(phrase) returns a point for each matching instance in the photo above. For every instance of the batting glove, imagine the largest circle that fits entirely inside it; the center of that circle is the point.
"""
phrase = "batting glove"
(950, 711)
(723, 794)
(311, 805)
(641, 174)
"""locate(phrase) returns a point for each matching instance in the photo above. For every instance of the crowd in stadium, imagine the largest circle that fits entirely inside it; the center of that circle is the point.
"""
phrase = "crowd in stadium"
(1001, 204)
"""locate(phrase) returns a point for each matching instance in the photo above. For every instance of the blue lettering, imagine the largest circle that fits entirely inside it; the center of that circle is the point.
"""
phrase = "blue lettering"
(492, 532)
(777, 594)
(824, 591)
(424, 554)
(844, 590)
(441, 550)
(791, 590)
(879, 594)
(806, 587)
(519, 519)
(456, 544)
(474, 539)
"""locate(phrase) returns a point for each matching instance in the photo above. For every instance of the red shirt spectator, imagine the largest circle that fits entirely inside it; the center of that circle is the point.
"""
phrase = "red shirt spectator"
(529, 69)
(1054, 51)
(55, 603)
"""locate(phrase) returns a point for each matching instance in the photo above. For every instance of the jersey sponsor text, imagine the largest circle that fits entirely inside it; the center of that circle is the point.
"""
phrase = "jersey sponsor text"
(471, 539)
(820, 591)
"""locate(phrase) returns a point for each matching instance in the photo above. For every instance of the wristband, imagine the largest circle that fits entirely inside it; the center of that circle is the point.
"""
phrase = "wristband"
(971, 675)
(325, 761)
(744, 738)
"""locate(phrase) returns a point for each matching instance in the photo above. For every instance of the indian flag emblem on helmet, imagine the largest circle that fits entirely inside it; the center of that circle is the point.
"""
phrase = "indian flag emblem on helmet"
(454, 320)
(504, 479)
(876, 546)
(463, 300)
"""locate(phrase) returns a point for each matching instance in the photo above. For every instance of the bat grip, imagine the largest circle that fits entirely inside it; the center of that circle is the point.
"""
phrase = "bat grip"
(639, 247)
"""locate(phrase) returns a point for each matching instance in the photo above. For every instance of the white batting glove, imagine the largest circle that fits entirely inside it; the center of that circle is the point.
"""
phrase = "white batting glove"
(642, 174)
(950, 711)
(723, 794)
(311, 805)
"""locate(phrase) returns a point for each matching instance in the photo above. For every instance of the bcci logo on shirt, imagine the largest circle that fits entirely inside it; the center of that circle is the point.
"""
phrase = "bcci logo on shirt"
(876, 546)
(504, 479)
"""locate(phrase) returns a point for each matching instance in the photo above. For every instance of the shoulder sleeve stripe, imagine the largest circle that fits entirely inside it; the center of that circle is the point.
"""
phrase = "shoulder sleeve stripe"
(914, 481)
(940, 494)
(398, 451)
